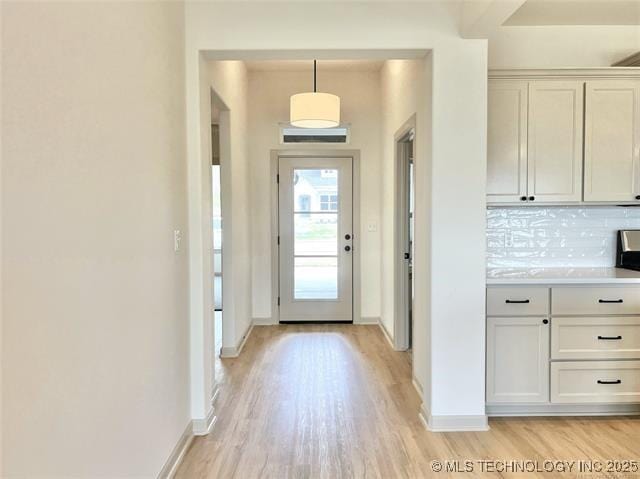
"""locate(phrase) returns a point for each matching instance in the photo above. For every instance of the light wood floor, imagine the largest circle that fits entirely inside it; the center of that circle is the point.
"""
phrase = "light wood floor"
(335, 401)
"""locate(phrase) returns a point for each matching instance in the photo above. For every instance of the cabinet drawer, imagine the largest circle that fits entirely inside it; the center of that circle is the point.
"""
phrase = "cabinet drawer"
(595, 338)
(598, 300)
(595, 382)
(517, 301)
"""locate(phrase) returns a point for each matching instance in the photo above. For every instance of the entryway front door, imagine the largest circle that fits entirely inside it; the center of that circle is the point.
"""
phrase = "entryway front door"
(316, 238)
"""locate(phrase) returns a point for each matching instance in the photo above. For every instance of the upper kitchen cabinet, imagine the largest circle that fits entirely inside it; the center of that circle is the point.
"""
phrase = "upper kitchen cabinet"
(612, 141)
(555, 141)
(534, 144)
(507, 141)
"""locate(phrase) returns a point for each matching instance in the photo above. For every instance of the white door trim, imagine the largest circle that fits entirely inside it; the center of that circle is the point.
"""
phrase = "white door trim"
(400, 266)
(275, 257)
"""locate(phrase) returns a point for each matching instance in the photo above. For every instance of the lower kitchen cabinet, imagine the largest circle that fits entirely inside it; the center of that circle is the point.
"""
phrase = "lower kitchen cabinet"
(563, 350)
(517, 360)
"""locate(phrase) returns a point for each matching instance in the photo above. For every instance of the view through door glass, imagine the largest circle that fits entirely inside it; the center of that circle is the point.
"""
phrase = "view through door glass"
(315, 203)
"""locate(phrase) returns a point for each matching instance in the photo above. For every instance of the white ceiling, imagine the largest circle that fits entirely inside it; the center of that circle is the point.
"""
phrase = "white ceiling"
(576, 12)
(323, 65)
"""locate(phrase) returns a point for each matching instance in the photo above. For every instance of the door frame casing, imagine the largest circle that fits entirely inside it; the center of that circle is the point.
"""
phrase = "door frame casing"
(275, 225)
(400, 266)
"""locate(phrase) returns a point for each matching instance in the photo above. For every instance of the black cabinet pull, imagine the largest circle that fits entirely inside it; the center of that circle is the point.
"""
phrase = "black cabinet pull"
(638, 197)
(515, 301)
(347, 236)
(615, 381)
(610, 338)
(523, 198)
(347, 248)
(532, 198)
(545, 321)
(606, 301)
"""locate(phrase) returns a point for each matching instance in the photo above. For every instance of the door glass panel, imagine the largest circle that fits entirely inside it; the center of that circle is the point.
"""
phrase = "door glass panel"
(315, 190)
(316, 278)
(315, 234)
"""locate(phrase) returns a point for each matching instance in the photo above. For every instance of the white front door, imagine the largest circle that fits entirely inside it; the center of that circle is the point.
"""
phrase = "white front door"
(316, 238)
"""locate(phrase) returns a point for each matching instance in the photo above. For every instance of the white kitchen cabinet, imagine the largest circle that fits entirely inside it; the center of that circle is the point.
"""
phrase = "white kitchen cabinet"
(555, 141)
(612, 141)
(517, 360)
(507, 141)
(534, 143)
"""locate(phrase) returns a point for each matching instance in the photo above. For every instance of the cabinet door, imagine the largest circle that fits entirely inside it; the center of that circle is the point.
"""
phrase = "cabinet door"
(507, 141)
(612, 140)
(517, 360)
(555, 141)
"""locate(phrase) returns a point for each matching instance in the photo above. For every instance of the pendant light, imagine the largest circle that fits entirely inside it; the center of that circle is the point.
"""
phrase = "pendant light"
(313, 109)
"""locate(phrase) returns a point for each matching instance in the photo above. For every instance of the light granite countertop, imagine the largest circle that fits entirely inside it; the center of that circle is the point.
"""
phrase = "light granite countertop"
(514, 276)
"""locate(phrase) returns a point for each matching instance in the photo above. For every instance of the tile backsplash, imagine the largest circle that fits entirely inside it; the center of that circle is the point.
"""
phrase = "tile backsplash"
(555, 237)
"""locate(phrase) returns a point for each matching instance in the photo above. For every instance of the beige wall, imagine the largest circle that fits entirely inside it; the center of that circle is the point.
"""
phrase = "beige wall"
(405, 92)
(562, 46)
(359, 92)
(95, 337)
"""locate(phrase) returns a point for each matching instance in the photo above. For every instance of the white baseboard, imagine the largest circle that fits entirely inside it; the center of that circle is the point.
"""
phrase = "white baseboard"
(177, 455)
(386, 334)
(264, 322)
(202, 427)
(215, 391)
(366, 320)
(453, 423)
(418, 387)
(234, 351)
(515, 410)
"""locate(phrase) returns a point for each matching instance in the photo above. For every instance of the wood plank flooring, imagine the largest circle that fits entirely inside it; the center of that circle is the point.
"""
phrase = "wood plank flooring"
(335, 401)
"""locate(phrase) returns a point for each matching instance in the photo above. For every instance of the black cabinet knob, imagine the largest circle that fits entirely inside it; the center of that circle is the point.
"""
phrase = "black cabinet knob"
(545, 321)
(347, 237)
(347, 248)
(523, 198)
(638, 197)
(532, 198)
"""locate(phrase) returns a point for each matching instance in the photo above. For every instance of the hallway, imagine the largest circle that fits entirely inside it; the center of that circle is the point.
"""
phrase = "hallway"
(332, 401)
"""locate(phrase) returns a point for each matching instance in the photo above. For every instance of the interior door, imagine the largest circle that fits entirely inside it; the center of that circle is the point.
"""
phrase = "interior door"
(315, 238)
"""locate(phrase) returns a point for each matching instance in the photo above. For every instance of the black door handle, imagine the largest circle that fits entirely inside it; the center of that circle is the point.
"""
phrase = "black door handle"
(615, 381)
(610, 338)
(347, 248)
(606, 301)
(517, 301)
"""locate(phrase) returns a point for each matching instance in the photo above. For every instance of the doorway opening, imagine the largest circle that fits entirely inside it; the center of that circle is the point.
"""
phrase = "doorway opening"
(219, 158)
(217, 235)
(405, 188)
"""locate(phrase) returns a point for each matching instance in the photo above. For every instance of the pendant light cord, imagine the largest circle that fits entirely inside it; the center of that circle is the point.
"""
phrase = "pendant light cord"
(314, 76)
